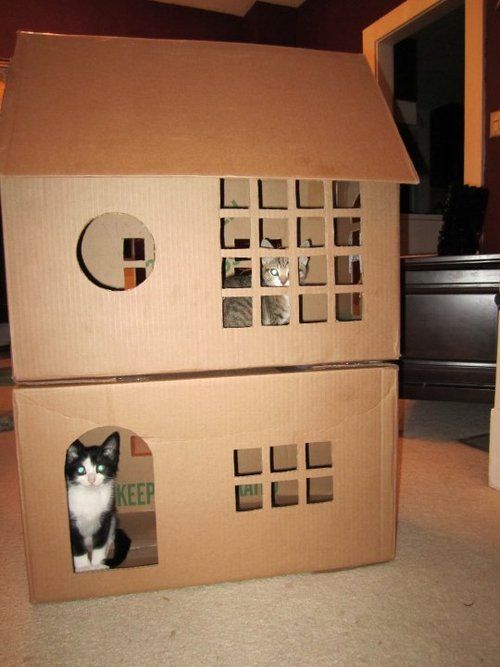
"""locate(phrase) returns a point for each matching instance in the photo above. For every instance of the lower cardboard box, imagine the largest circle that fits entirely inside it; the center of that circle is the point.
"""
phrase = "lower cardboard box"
(221, 478)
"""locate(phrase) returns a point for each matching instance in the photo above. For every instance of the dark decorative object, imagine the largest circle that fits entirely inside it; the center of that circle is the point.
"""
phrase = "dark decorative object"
(463, 217)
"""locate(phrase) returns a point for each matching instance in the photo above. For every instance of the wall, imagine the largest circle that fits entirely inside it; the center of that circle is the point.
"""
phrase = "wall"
(264, 23)
(326, 24)
(337, 25)
(138, 18)
(270, 24)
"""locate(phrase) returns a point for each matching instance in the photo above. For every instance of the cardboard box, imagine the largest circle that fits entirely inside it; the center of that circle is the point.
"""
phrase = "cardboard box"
(166, 161)
(315, 492)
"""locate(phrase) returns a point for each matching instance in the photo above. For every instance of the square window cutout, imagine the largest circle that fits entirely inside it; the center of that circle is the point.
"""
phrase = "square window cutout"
(347, 231)
(318, 455)
(312, 270)
(313, 308)
(273, 232)
(310, 232)
(319, 489)
(349, 307)
(285, 493)
(348, 270)
(236, 272)
(236, 312)
(283, 457)
(134, 249)
(275, 310)
(133, 276)
(235, 193)
(273, 193)
(346, 194)
(247, 461)
(235, 233)
(248, 497)
(310, 194)
(274, 271)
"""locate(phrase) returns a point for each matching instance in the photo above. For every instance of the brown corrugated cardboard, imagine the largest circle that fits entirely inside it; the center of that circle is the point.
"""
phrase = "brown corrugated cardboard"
(135, 106)
(167, 167)
(173, 320)
(326, 500)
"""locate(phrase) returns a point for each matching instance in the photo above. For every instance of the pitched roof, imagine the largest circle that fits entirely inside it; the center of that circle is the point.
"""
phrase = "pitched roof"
(97, 105)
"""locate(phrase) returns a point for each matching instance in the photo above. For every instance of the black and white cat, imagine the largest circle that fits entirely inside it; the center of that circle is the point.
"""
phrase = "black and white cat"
(90, 481)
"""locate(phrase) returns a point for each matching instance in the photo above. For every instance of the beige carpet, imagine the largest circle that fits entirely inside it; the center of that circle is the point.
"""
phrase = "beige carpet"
(437, 604)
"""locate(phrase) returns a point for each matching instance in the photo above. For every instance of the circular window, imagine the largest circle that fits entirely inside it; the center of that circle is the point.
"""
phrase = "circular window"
(116, 251)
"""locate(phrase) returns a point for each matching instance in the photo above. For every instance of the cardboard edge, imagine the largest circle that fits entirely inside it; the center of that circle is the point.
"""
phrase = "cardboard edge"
(16, 399)
(389, 460)
(22, 383)
(13, 91)
(413, 178)
(494, 458)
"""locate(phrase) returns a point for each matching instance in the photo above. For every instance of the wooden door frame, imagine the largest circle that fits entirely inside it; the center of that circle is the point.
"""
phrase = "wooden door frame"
(380, 37)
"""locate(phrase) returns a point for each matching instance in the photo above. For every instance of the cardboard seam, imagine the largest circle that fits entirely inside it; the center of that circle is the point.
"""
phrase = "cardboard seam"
(200, 375)
(24, 513)
(323, 432)
(383, 398)
(45, 409)
(387, 394)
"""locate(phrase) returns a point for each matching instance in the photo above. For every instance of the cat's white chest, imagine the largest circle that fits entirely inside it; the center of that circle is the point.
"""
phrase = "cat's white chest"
(86, 505)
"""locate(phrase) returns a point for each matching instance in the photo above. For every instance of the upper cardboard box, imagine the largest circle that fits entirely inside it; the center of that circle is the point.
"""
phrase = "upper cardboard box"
(106, 106)
(181, 206)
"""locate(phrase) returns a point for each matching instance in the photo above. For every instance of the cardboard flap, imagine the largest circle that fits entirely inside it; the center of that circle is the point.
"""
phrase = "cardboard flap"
(106, 106)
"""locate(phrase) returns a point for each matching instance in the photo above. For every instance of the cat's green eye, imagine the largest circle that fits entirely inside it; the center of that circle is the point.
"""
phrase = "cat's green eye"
(80, 470)
(273, 272)
(100, 468)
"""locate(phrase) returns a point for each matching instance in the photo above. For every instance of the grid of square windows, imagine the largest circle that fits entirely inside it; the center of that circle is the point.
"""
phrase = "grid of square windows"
(304, 262)
(287, 469)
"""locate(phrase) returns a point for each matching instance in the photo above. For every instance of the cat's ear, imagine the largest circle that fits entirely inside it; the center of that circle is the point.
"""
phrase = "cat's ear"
(266, 243)
(111, 445)
(265, 261)
(73, 452)
(306, 243)
(303, 262)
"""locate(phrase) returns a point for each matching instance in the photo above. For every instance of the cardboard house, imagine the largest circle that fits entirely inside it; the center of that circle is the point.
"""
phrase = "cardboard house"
(184, 157)
(147, 184)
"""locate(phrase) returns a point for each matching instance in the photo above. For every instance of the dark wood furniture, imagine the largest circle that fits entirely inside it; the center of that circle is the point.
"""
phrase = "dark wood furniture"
(449, 327)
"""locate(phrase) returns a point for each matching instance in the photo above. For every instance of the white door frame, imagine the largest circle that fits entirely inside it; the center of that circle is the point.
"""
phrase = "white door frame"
(410, 16)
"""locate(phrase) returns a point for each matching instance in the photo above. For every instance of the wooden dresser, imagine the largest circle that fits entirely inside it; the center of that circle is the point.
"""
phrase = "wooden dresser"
(449, 327)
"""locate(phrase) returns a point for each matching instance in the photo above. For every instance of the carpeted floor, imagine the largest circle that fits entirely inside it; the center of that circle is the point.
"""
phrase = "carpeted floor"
(436, 604)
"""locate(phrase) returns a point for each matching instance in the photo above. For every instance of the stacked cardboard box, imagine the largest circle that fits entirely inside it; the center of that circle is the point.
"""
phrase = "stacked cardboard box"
(131, 190)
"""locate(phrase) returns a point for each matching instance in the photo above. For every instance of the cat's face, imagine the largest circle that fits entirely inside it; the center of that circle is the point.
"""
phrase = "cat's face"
(275, 271)
(92, 466)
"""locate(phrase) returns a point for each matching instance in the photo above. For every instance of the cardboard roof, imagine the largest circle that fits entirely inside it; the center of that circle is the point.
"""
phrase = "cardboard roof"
(98, 105)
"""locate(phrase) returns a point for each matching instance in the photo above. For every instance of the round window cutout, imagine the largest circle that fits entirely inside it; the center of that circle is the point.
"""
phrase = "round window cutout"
(116, 251)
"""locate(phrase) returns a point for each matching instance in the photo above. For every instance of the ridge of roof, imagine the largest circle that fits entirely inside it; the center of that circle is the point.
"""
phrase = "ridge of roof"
(83, 105)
